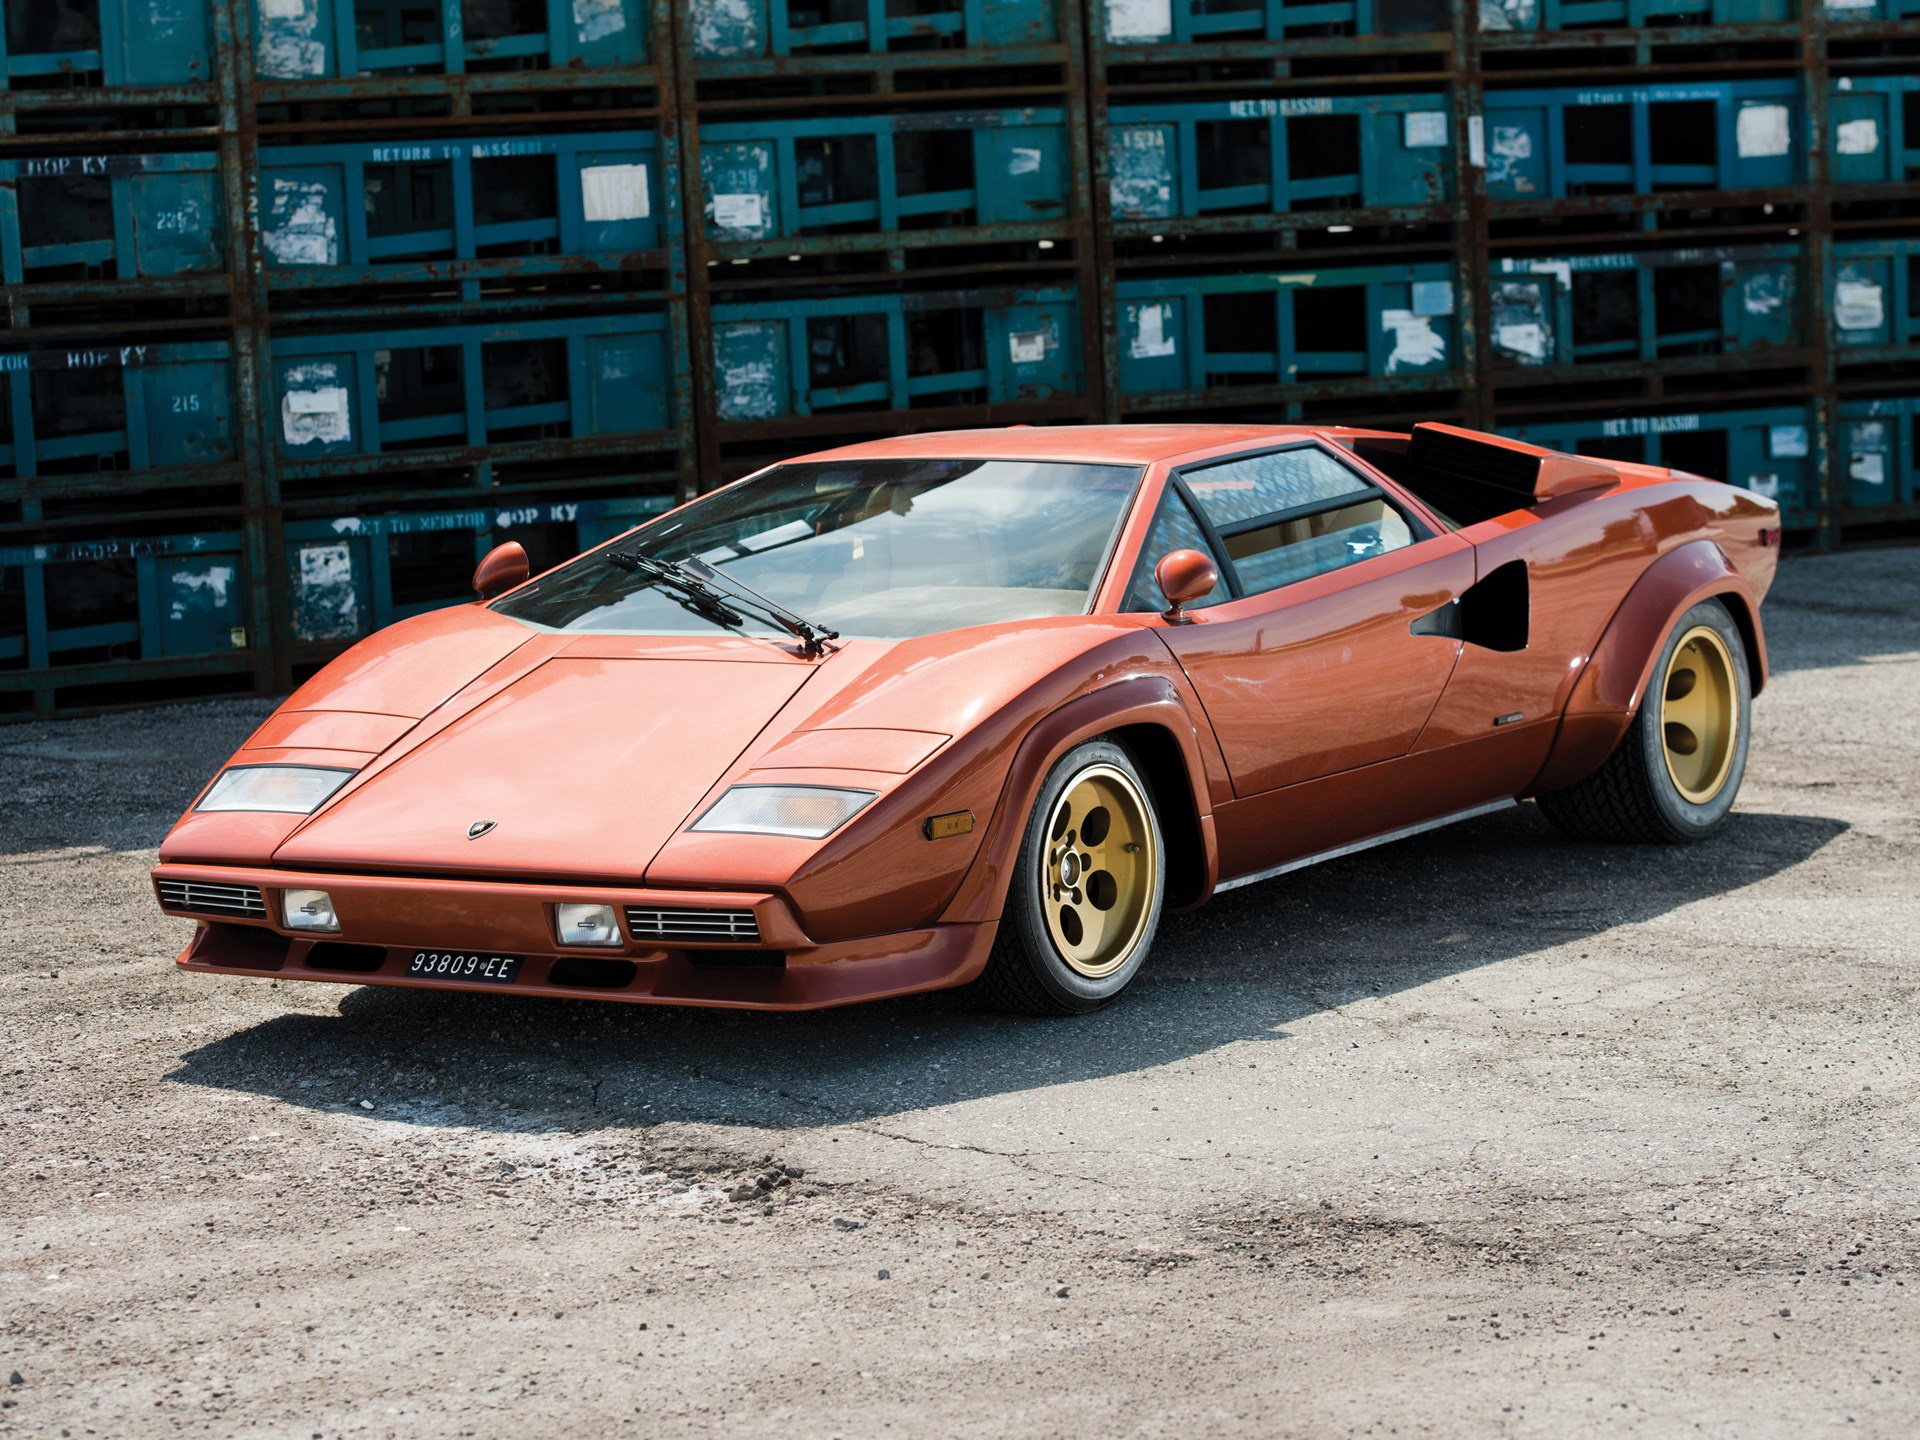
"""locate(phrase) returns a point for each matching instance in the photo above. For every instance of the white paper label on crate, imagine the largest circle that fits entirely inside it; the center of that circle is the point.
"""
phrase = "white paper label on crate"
(1027, 347)
(1858, 305)
(316, 416)
(1760, 131)
(1513, 142)
(212, 583)
(282, 9)
(1416, 344)
(1527, 339)
(615, 192)
(1024, 161)
(1477, 141)
(1850, 5)
(739, 212)
(722, 28)
(1787, 442)
(1139, 20)
(1869, 467)
(1764, 482)
(1152, 331)
(1423, 129)
(1857, 137)
(298, 229)
(596, 19)
(1503, 15)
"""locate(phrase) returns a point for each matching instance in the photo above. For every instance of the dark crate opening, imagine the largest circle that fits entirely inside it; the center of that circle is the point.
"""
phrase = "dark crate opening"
(1600, 135)
(63, 210)
(1242, 325)
(52, 27)
(71, 403)
(524, 380)
(1232, 154)
(1334, 319)
(946, 342)
(93, 611)
(1325, 147)
(1702, 452)
(430, 568)
(1686, 302)
(385, 24)
(1606, 310)
(1682, 132)
(415, 199)
(836, 170)
(926, 161)
(13, 617)
(845, 350)
(516, 190)
(422, 397)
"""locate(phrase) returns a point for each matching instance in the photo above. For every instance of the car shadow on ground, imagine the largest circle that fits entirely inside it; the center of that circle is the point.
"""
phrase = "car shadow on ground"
(1240, 970)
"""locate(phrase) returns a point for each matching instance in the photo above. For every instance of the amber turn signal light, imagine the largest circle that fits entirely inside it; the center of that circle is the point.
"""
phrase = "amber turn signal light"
(944, 827)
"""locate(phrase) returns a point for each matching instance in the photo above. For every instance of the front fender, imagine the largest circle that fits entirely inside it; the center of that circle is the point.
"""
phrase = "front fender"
(1614, 681)
(1146, 700)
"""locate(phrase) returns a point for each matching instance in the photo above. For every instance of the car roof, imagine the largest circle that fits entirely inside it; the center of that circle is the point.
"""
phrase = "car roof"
(1087, 444)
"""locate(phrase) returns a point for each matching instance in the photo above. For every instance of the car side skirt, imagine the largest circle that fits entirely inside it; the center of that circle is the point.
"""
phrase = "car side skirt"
(1340, 851)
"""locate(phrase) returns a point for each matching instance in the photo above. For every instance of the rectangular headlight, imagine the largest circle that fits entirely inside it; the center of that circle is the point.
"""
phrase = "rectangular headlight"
(309, 910)
(587, 924)
(283, 789)
(810, 812)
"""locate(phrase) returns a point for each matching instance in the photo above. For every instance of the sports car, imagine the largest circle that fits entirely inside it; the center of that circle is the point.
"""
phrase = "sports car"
(975, 708)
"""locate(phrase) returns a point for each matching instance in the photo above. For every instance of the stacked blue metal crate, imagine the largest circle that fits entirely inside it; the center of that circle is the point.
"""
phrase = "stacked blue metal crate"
(889, 219)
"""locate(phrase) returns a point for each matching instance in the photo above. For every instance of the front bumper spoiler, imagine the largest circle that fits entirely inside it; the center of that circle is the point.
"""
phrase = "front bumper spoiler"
(386, 921)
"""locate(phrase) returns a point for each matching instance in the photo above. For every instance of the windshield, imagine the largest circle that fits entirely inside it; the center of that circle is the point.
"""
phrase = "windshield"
(883, 549)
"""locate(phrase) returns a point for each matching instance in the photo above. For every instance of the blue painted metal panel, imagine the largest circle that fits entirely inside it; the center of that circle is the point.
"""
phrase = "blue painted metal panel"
(391, 392)
(1502, 15)
(776, 359)
(346, 575)
(1192, 335)
(1769, 451)
(1272, 156)
(885, 173)
(123, 42)
(327, 39)
(131, 407)
(1185, 22)
(1638, 140)
(1625, 307)
(1874, 140)
(726, 30)
(1875, 295)
(340, 214)
(1880, 452)
(125, 217)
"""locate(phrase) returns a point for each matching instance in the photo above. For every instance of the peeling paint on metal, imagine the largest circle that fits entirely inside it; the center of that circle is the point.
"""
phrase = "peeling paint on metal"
(748, 383)
(726, 28)
(597, 19)
(1142, 186)
(326, 602)
(1766, 292)
(1503, 15)
(210, 583)
(1152, 327)
(298, 229)
(1521, 330)
(1511, 145)
(1139, 21)
(289, 47)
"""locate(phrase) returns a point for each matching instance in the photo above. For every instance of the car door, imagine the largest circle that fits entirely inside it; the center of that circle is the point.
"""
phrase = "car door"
(1312, 657)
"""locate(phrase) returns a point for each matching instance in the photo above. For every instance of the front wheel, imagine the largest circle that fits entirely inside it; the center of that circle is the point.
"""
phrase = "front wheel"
(1675, 774)
(1086, 892)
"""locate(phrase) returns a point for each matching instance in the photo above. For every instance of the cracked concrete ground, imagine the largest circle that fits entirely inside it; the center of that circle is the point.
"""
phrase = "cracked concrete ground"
(1488, 1133)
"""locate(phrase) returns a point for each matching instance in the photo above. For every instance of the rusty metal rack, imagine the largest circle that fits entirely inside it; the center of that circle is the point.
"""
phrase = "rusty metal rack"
(306, 302)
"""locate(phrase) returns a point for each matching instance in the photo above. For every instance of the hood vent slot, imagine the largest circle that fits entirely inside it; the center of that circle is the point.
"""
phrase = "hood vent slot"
(723, 927)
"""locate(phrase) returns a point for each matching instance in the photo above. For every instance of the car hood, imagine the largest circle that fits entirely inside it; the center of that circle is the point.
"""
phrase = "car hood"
(580, 768)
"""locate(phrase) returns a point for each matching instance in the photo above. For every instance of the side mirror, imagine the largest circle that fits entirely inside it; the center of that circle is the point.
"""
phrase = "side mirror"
(1183, 577)
(505, 567)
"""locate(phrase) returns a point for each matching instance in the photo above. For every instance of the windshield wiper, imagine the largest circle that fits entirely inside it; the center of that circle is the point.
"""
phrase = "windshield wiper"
(690, 578)
(697, 596)
(813, 638)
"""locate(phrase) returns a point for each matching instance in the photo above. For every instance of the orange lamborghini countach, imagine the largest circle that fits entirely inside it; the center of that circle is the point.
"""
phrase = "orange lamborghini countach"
(976, 708)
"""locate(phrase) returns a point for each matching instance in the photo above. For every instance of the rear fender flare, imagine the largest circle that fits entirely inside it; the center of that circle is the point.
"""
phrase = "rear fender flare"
(1614, 682)
(1145, 700)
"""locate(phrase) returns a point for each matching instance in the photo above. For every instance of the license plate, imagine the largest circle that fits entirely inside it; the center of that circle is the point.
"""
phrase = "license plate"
(455, 965)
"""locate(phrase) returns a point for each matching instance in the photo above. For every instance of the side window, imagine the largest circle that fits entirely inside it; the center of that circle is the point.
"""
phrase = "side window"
(1174, 528)
(1295, 514)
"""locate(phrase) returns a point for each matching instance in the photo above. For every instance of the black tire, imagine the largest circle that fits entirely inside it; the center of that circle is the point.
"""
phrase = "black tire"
(1634, 796)
(1027, 972)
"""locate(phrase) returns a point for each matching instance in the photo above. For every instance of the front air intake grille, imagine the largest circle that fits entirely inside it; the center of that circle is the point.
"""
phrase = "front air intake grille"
(736, 927)
(201, 898)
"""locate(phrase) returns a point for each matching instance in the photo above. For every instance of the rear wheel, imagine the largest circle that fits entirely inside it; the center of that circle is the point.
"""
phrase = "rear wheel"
(1086, 892)
(1674, 776)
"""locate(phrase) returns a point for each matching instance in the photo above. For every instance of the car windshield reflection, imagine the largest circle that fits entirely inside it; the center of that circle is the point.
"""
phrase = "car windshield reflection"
(882, 549)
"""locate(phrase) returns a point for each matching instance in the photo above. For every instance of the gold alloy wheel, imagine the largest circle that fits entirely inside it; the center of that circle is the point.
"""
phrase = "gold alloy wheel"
(1098, 870)
(1700, 714)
